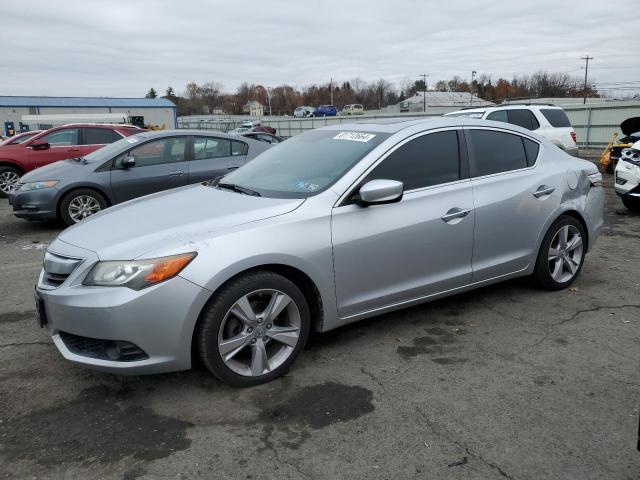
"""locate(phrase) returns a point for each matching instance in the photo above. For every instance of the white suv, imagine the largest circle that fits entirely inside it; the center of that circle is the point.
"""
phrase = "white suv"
(549, 121)
(627, 177)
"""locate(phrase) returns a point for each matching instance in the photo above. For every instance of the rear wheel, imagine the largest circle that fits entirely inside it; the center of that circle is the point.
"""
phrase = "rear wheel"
(80, 204)
(254, 329)
(632, 204)
(561, 254)
(9, 176)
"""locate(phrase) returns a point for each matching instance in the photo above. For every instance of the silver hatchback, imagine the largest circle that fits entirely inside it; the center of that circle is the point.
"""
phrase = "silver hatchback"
(332, 226)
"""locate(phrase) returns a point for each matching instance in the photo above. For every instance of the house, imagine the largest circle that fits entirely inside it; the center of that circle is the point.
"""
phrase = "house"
(253, 108)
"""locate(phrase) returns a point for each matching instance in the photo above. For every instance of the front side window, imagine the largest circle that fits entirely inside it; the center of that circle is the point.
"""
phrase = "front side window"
(100, 136)
(523, 118)
(166, 150)
(495, 152)
(306, 164)
(210, 147)
(431, 159)
(63, 137)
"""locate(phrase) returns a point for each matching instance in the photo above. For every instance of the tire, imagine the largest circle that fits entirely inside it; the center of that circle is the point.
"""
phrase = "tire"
(94, 201)
(632, 204)
(9, 176)
(558, 265)
(222, 332)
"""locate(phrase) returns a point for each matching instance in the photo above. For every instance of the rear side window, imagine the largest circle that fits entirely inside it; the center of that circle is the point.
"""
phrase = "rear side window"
(428, 160)
(496, 152)
(498, 116)
(238, 148)
(531, 149)
(523, 118)
(556, 117)
(100, 136)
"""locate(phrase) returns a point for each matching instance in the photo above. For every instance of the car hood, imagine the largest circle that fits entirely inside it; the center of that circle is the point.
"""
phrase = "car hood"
(630, 126)
(169, 219)
(56, 171)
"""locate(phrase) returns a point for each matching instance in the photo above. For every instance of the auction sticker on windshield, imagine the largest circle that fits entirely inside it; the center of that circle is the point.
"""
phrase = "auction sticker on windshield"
(354, 136)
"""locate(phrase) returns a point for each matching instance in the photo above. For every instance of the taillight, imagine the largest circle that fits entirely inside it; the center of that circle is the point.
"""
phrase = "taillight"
(574, 136)
(595, 179)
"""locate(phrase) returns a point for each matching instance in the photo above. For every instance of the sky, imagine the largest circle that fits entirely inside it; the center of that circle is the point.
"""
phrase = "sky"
(117, 48)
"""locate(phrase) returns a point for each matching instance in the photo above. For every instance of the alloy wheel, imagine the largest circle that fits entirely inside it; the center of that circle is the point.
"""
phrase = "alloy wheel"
(82, 207)
(8, 180)
(259, 332)
(565, 253)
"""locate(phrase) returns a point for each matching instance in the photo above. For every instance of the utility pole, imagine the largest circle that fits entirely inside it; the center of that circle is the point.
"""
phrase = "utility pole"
(331, 88)
(586, 71)
(424, 93)
(473, 76)
(269, 98)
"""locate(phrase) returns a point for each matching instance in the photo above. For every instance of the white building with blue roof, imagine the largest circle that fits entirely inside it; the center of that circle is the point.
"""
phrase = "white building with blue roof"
(155, 111)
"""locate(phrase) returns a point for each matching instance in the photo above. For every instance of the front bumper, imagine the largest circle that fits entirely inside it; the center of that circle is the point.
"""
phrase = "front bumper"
(160, 320)
(35, 204)
(627, 179)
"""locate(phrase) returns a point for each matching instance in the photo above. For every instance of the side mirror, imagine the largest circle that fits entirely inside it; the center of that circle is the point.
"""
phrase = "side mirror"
(40, 145)
(128, 162)
(377, 192)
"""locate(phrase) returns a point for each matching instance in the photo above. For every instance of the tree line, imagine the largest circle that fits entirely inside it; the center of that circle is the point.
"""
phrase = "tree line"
(211, 97)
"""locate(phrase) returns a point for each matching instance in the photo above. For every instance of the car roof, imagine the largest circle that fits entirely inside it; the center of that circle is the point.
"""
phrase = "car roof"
(513, 106)
(394, 125)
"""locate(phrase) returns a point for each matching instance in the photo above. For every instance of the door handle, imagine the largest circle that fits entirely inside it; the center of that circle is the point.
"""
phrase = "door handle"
(455, 213)
(233, 168)
(73, 150)
(177, 173)
(543, 190)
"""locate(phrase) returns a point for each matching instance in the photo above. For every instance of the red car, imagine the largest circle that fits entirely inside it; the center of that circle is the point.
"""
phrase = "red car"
(59, 143)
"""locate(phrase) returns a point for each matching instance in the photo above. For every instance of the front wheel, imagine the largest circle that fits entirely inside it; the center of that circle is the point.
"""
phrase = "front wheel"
(561, 254)
(9, 176)
(80, 204)
(253, 329)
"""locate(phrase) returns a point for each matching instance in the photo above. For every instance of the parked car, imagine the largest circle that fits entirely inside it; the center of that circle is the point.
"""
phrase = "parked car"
(303, 112)
(352, 109)
(627, 177)
(263, 137)
(550, 121)
(20, 137)
(59, 143)
(334, 225)
(325, 111)
(138, 165)
(630, 128)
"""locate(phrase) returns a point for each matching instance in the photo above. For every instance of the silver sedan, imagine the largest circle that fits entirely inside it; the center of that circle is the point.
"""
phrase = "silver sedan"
(332, 226)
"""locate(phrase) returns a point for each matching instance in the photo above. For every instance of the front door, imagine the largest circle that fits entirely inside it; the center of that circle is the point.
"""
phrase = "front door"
(159, 165)
(420, 246)
(63, 143)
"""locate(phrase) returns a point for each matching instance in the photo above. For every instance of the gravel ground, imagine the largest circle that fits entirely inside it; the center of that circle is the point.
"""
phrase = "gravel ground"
(503, 382)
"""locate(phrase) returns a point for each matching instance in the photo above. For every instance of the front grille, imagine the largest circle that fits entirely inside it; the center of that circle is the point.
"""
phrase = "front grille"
(57, 269)
(114, 350)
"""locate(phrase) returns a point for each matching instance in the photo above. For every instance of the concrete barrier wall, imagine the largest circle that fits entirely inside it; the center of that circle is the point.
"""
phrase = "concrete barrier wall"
(594, 122)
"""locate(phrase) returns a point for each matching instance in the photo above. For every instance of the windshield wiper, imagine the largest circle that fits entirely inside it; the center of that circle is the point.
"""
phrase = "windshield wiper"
(239, 189)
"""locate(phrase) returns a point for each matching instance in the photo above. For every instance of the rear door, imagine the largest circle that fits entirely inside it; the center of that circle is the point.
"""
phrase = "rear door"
(63, 143)
(513, 198)
(159, 165)
(212, 157)
(97, 137)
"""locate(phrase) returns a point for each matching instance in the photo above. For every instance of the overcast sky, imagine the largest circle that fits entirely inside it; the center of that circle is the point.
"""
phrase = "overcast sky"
(122, 48)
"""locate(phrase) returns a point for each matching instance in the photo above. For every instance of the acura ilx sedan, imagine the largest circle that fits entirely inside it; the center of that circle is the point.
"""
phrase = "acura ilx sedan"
(332, 226)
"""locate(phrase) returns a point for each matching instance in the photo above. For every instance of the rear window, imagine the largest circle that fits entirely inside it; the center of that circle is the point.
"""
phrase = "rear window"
(556, 117)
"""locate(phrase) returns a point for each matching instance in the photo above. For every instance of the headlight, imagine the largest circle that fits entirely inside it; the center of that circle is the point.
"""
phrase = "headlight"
(137, 274)
(38, 185)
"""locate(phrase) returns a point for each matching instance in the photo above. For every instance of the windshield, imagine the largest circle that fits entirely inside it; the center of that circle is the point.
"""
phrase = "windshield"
(113, 149)
(306, 164)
